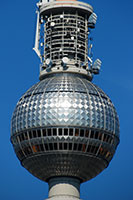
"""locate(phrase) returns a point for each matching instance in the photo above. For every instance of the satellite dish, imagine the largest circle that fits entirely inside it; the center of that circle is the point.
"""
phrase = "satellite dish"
(61, 16)
(52, 24)
(65, 60)
(48, 62)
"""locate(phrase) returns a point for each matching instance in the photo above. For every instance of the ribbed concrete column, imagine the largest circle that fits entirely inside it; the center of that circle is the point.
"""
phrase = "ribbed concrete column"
(64, 188)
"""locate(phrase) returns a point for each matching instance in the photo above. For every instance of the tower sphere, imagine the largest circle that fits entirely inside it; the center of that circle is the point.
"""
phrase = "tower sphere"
(65, 126)
(65, 129)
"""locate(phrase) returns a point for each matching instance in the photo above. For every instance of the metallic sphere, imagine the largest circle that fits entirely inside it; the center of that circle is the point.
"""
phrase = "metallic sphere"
(65, 126)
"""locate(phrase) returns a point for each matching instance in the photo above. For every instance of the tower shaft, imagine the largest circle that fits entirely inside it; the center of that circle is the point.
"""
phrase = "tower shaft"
(64, 188)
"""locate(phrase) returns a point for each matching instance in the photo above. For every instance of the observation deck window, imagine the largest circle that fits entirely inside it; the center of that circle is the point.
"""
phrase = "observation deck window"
(65, 131)
(76, 132)
(49, 133)
(71, 132)
(54, 131)
(70, 146)
(82, 133)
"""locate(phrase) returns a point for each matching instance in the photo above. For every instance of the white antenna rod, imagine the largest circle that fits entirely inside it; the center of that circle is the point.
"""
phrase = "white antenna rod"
(37, 37)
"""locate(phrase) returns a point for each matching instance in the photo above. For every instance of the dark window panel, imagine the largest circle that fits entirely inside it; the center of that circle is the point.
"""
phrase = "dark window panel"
(30, 134)
(65, 131)
(71, 132)
(34, 134)
(51, 146)
(70, 146)
(46, 146)
(26, 136)
(100, 136)
(82, 133)
(84, 147)
(65, 146)
(60, 131)
(92, 134)
(75, 147)
(88, 148)
(54, 131)
(44, 132)
(87, 133)
(60, 146)
(76, 132)
(96, 134)
(80, 147)
(55, 146)
(41, 147)
(39, 133)
(49, 132)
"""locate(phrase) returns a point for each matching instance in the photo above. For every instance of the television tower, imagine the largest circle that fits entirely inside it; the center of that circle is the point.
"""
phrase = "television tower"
(65, 129)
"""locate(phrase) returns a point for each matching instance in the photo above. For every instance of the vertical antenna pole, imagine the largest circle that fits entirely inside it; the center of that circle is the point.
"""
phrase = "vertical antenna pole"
(37, 36)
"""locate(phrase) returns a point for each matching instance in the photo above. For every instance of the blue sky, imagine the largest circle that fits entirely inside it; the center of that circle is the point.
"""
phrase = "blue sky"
(113, 44)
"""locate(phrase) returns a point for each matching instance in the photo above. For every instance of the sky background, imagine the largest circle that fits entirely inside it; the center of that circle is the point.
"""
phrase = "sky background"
(19, 65)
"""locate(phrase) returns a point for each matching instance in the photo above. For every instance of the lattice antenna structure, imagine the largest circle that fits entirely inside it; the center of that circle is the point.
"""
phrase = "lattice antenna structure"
(62, 34)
